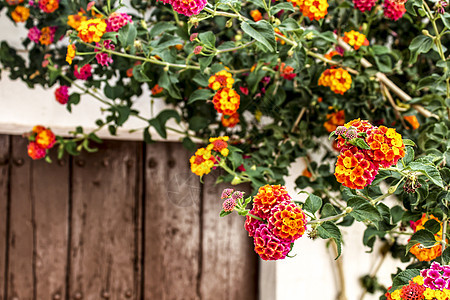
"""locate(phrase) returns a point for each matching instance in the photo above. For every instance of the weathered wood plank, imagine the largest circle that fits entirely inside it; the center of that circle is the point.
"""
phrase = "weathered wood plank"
(172, 225)
(4, 180)
(50, 193)
(21, 283)
(103, 243)
(229, 264)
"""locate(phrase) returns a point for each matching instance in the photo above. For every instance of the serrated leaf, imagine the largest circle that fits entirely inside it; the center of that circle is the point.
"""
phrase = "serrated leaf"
(432, 225)
(429, 171)
(424, 237)
(203, 94)
(329, 230)
(313, 203)
(287, 6)
(224, 213)
(403, 278)
(363, 210)
(408, 142)
(262, 32)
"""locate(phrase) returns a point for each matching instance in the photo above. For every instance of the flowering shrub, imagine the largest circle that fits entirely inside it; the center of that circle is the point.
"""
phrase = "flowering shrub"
(261, 84)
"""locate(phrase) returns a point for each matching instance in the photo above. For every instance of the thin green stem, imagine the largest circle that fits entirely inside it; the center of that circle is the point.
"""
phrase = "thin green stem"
(150, 60)
(254, 217)
(332, 218)
(235, 48)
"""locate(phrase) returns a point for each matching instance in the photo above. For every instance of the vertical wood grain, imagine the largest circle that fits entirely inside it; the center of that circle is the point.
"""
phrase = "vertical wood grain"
(21, 283)
(172, 225)
(4, 180)
(103, 243)
(50, 195)
(229, 264)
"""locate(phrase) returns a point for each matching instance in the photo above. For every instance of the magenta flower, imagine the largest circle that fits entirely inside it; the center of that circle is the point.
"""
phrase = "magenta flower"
(84, 73)
(268, 246)
(229, 204)
(62, 94)
(116, 21)
(198, 49)
(104, 58)
(187, 7)
(34, 34)
(193, 37)
(227, 193)
(364, 5)
(393, 11)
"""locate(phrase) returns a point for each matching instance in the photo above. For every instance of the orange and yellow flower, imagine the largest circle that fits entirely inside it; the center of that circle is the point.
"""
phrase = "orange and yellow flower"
(354, 169)
(355, 39)
(46, 139)
(74, 21)
(14, 2)
(420, 252)
(287, 221)
(226, 101)
(20, 14)
(47, 35)
(338, 80)
(330, 54)
(48, 6)
(312, 9)
(256, 15)
(71, 51)
(202, 162)
(92, 30)
(334, 120)
(386, 145)
(277, 39)
(413, 121)
(231, 121)
(219, 144)
(157, 89)
(268, 196)
(220, 80)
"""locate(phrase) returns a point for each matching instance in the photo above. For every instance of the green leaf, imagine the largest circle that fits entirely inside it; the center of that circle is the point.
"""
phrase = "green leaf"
(197, 123)
(328, 210)
(189, 144)
(403, 278)
(162, 27)
(363, 210)
(424, 237)
(208, 38)
(203, 94)
(329, 230)
(360, 143)
(313, 203)
(429, 171)
(159, 122)
(224, 213)
(432, 225)
(139, 75)
(127, 35)
(408, 142)
(287, 6)
(420, 44)
(262, 32)
(205, 62)
(124, 113)
(446, 20)
(289, 24)
(446, 256)
(147, 136)
(74, 99)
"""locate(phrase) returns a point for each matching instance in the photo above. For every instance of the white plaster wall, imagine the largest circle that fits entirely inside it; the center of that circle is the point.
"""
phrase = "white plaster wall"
(311, 274)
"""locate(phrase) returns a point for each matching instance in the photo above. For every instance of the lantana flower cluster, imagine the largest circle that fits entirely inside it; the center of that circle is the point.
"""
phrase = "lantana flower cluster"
(355, 39)
(418, 250)
(312, 9)
(187, 7)
(356, 167)
(337, 79)
(40, 140)
(334, 119)
(20, 14)
(432, 283)
(204, 159)
(226, 100)
(274, 222)
(393, 10)
(44, 36)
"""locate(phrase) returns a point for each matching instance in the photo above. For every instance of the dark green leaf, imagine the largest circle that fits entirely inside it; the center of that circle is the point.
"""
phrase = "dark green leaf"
(262, 32)
(424, 237)
(202, 94)
(313, 203)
